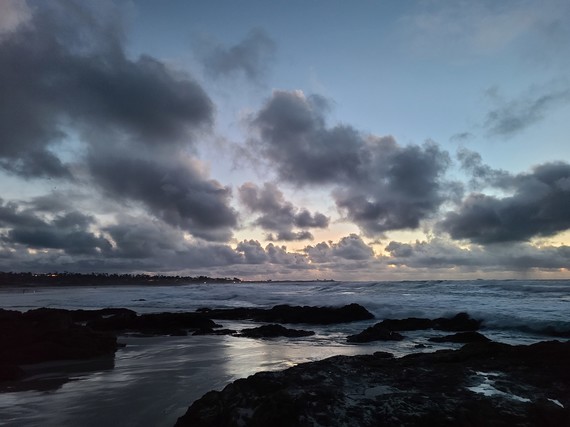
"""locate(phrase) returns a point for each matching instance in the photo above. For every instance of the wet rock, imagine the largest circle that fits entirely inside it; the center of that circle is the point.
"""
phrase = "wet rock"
(273, 331)
(211, 331)
(293, 314)
(461, 337)
(409, 324)
(375, 333)
(155, 323)
(441, 388)
(457, 323)
(10, 373)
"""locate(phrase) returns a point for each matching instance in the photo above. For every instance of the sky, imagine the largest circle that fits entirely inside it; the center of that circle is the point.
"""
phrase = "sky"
(286, 140)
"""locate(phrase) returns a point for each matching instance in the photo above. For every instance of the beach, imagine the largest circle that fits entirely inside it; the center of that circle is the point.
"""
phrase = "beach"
(154, 379)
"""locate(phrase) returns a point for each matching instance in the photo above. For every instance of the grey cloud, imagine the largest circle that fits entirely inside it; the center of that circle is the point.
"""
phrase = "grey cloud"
(66, 68)
(68, 231)
(379, 184)
(251, 56)
(350, 247)
(540, 206)
(174, 191)
(289, 236)
(511, 117)
(252, 251)
(278, 214)
(483, 175)
(439, 253)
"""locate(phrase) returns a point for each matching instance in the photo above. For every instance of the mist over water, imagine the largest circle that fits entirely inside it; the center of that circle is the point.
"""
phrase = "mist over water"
(153, 380)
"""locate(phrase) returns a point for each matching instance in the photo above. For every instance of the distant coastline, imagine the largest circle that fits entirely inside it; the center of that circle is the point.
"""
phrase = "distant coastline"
(100, 279)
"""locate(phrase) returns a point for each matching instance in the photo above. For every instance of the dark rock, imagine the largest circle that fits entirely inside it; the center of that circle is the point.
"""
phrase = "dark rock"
(431, 389)
(155, 323)
(457, 323)
(211, 331)
(461, 337)
(272, 331)
(292, 314)
(10, 373)
(409, 324)
(375, 333)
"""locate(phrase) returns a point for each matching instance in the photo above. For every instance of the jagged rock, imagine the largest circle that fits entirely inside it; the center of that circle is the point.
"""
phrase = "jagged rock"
(155, 323)
(211, 331)
(292, 314)
(457, 323)
(272, 331)
(461, 337)
(409, 324)
(375, 333)
(532, 385)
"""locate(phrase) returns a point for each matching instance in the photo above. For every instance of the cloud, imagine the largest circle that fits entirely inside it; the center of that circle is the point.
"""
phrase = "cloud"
(66, 69)
(250, 57)
(69, 231)
(289, 236)
(174, 190)
(442, 254)
(483, 175)
(350, 247)
(379, 184)
(278, 214)
(539, 206)
(513, 116)
(462, 29)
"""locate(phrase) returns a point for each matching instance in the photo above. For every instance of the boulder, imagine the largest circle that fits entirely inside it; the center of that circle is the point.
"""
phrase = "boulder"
(273, 331)
(531, 384)
(461, 337)
(375, 333)
(292, 314)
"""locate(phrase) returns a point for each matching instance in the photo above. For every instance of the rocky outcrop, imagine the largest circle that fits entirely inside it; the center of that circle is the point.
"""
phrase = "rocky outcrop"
(153, 324)
(479, 385)
(375, 333)
(292, 314)
(47, 335)
(461, 337)
(387, 330)
(273, 331)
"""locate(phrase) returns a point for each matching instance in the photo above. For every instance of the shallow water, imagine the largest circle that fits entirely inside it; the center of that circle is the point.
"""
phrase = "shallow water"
(152, 381)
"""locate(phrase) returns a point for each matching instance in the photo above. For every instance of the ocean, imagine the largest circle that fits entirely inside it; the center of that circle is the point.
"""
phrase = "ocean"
(153, 380)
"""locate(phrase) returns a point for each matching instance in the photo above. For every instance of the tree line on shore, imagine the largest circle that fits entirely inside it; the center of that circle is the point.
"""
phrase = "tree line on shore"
(67, 278)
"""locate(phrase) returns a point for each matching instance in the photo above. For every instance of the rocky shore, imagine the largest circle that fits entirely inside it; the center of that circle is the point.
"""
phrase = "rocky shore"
(481, 384)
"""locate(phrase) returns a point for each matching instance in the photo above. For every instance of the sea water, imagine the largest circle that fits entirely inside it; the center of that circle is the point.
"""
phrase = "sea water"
(153, 380)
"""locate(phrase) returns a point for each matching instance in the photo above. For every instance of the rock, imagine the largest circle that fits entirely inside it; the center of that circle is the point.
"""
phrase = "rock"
(439, 389)
(457, 323)
(10, 373)
(155, 323)
(375, 333)
(211, 331)
(461, 337)
(273, 331)
(292, 314)
(409, 324)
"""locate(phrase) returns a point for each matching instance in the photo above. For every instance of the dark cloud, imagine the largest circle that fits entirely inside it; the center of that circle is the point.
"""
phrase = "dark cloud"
(66, 69)
(278, 214)
(379, 184)
(351, 247)
(175, 191)
(69, 231)
(483, 175)
(251, 56)
(539, 206)
(513, 116)
(289, 236)
(439, 253)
